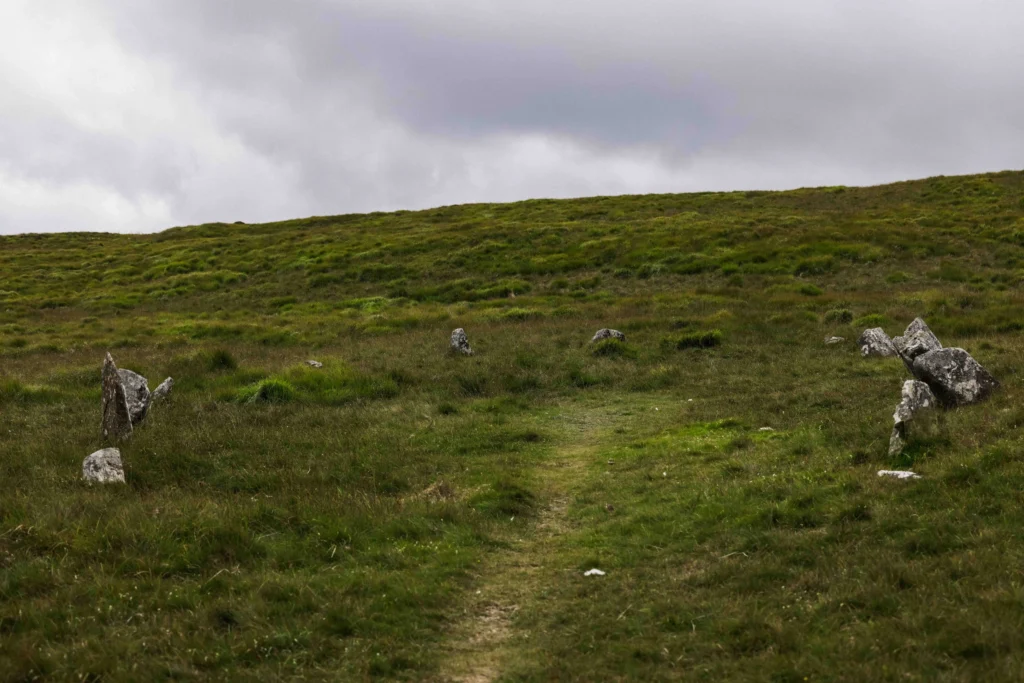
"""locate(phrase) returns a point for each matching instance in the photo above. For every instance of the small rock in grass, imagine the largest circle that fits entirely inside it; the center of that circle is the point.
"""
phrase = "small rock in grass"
(834, 340)
(898, 474)
(460, 342)
(875, 342)
(766, 429)
(104, 467)
(606, 333)
(162, 391)
(314, 364)
(593, 572)
(117, 421)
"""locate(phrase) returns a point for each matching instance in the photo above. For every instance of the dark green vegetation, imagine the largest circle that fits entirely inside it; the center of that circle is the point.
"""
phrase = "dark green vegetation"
(408, 513)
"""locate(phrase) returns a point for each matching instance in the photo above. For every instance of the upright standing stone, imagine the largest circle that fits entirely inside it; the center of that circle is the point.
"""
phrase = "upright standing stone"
(117, 421)
(136, 393)
(917, 396)
(104, 467)
(460, 342)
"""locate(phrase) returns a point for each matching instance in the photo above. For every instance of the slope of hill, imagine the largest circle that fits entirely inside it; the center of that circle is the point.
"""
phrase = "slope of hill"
(411, 514)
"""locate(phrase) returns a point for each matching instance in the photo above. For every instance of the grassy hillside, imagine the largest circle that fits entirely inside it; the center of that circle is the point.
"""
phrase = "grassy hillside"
(405, 513)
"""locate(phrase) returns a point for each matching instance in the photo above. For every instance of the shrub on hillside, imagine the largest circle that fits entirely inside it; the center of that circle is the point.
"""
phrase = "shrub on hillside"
(701, 339)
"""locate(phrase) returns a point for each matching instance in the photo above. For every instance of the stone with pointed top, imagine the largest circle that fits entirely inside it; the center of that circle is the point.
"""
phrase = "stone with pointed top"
(917, 340)
(162, 391)
(917, 396)
(117, 421)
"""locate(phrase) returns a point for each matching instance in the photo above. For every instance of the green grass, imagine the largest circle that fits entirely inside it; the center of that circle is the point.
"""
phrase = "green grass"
(408, 513)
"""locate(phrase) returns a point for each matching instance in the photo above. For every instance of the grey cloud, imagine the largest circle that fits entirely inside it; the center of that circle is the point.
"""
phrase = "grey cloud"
(320, 106)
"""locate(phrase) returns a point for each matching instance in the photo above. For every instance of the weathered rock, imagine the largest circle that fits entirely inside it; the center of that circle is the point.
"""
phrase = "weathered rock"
(605, 333)
(875, 342)
(460, 342)
(955, 377)
(315, 364)
(917, 340)
(898, 474)
(136, 393)
(831, 341)
(104, 467)
(117, 421)
(162, 391)
(916, 397)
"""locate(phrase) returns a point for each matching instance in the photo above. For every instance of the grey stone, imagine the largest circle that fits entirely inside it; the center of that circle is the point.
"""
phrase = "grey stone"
(162, 391)
(315, 364)
(917, 396)
(136, 392)
(834, 340)
(955, 377)
(917, 340)
(104, 467)
(460, 342)
(117, 421)
(606, 333)
(875, 342)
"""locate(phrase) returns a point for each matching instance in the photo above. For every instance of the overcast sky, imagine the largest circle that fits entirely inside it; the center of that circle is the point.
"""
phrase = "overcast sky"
(138, 115)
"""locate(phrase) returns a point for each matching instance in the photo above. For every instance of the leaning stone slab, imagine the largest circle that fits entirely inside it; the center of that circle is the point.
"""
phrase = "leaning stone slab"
(916, 397)
(136, 392)
(117, 421)
(104, 467)
(460, 342)
(875, 342)
(606, 333)
(955, 377)
(917, 340)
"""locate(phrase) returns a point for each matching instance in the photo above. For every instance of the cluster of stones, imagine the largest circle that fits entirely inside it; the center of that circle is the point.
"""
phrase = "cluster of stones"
(126, 403)
(946, 377)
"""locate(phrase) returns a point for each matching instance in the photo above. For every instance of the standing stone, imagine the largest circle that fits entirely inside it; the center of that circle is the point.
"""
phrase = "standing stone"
(117, 421)
(606, 333)
(162, 391)
(955, 377)
(136, 393)
(916, 397)
(875, 342)
(460, 342)
(917, 340)
(104, 467)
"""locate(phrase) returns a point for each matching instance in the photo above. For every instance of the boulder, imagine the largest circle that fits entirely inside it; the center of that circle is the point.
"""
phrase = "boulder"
(117, 421)
(136, 392)
(103, 467)
(916, 397)
(460, 342)
(955, 377)
(605, 333)
(162, 391)
(917, 340)
(875, 342)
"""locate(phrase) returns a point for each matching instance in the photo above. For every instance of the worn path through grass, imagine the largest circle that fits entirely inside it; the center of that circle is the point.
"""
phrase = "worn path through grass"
(514, 582)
